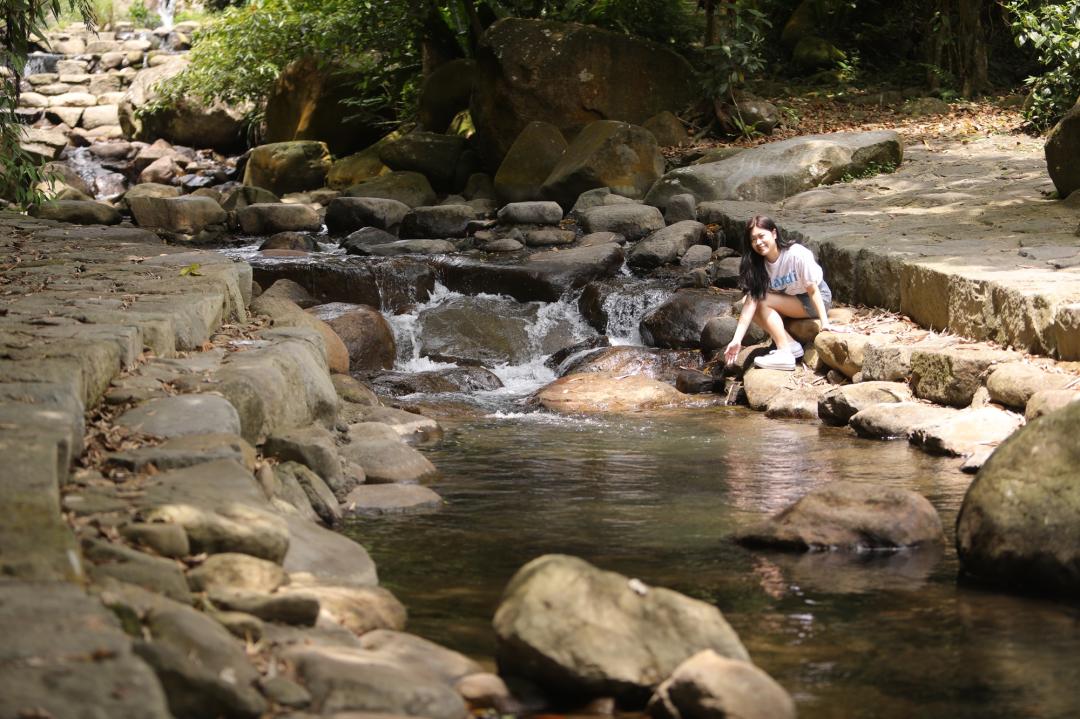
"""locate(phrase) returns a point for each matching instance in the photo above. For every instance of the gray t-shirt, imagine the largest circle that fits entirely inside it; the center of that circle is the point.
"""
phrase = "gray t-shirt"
(793, 270)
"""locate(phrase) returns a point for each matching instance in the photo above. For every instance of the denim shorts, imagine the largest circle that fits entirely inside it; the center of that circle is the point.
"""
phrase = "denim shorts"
(808, 305)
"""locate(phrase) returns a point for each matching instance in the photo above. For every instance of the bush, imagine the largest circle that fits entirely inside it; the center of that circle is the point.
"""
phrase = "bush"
(1053, 30)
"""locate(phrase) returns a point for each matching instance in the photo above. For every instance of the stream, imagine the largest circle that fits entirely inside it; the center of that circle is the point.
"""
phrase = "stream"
(657, 495)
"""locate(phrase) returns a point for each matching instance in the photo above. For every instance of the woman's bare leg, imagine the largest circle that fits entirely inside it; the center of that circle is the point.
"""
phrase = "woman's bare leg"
(771, 312)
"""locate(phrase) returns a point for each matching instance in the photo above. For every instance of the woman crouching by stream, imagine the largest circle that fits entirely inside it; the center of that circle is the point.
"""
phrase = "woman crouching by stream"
(781, 279)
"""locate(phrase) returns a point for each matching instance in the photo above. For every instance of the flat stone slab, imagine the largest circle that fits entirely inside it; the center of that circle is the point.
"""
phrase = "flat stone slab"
(379, 499)
(64, 652)
(181, 415)
(940, 240)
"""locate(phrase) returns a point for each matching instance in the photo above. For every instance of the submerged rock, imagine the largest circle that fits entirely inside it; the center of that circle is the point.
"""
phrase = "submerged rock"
(1019, 525)
(454, 379)
(850, 516)
(648, 362)
(580, 632)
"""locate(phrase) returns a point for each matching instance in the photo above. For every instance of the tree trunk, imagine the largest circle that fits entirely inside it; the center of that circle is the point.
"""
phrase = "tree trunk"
(971, 41)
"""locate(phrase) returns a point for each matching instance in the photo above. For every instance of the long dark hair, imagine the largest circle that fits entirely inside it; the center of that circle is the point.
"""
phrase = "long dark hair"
(753, 277)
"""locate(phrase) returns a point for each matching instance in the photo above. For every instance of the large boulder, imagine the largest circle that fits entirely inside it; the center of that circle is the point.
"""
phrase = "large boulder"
(189, 214)
(606, 153)
(631, 220)
(188, 122)
(78, 212)
(1062, 146)
(271, 217)
(528, 162)
(593, 392)
(581, 632)
(433, 155)
(350, 214)
(680, 320)
(284, 167)
(850, 516)
(366, 334)
(438, 222)
(778, 170)
(308, 103)
(952, 375)
(1019, 525)
(569, 75)
(410, 188)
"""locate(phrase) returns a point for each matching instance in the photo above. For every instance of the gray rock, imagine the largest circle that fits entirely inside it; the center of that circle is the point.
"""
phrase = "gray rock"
(598, 197)
(531, 213)
(188, 215)
(666, 245)
(167, 540)
(279, 608)
(237, 571)
(951, 376)
(206, 650)
(231, 528)
(1018, 525)
(239, 197)
(269, 218)
(887, 363)
(78, 212)
(380, 499)
(681, 208)
(348, 214)
(574, 629)
(1049, 400)
(966, 431)
(850, 516)
(632, 221)
(719, 331)
(411, 651)
(182, 415)
(794, 403)
(528, 162)
(185, 451)
(406, 247)
(601, 238)
(606, 153)
(343, 680)
(549, 238)
(389, 462)
(431, 154)
(288, 240)
(320, 496)
(899, 420)
(326, 554)
(840, 404)
(285, 692)
(409, 188)
(358, 242)
(366, 334)
(48, 636)
(315, 448)
(194, 691)
(1013, 384)
(359, 609)
(681, 319)
(409, 426)
(127, 565)
(780, 169)
(439, 222)
(708, 686)
(696, 256)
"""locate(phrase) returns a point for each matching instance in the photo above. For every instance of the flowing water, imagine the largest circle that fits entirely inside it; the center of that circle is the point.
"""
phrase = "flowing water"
(656, 496)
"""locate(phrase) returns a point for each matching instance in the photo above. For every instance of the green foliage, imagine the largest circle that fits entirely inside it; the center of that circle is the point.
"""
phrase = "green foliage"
(142, 16)
(664, 21)
(871, 169)
(1053, 30)
(739, 53)
(21, 21)
(239, 55)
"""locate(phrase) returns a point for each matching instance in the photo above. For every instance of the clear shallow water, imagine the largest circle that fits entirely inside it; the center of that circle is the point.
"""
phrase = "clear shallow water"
(657, 496)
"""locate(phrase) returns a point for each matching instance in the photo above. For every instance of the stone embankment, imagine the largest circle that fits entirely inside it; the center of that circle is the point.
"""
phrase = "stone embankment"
(179, 571)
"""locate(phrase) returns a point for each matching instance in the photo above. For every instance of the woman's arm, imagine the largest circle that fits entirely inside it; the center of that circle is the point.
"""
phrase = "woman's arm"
(746, 316)
(819, 305)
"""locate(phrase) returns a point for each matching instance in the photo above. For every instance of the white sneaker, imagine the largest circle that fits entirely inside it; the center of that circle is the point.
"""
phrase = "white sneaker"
(777, 359)
(796, 350)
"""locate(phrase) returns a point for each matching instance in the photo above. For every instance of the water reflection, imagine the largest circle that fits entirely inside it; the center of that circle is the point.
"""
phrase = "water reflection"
(658, 496)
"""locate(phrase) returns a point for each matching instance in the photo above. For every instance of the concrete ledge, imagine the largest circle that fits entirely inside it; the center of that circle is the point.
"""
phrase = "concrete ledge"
(961, 238)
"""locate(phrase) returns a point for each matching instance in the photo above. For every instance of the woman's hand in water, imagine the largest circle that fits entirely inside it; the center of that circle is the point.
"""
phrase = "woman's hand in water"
(731, 352)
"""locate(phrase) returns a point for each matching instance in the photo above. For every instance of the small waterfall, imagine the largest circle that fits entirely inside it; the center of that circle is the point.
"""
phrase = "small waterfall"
(625, 306)
(167, 11)
(39, 62)
(556, 324)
